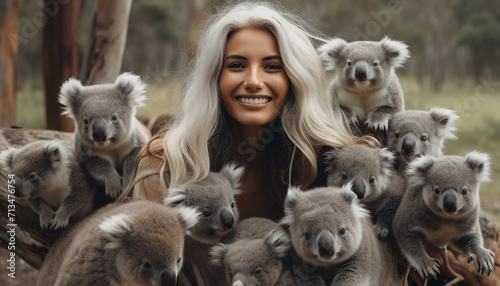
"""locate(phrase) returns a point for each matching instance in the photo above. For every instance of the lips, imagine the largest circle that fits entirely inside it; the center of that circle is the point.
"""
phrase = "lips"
(254, 99)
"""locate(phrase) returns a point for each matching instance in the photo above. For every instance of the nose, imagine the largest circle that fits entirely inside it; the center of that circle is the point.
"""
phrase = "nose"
(325, 244)
(168, 279)
(358, 187)
(253, 83)
(226, 219)
(360, 71)
(408, 146)
(99, 131)
(450, 202)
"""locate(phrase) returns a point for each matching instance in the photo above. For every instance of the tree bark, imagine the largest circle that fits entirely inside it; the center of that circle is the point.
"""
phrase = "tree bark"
(9, 13)
(61, 57)
(107, 42)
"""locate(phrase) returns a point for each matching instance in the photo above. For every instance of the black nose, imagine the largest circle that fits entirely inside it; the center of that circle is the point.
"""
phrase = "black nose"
(408, 146)
(226, 219)
(360, 72)
(99, 131)
(358, 187)
(168, 279)
(450, 202)
(325, 245)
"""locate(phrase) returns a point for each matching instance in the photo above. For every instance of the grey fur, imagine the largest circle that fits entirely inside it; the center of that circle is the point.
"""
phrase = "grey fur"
(48, 173)
(369, 103)
(441, 207)
(213, 196)
(373, 178)
(107, 134)
(331, 230)
(407, 130)
(138, 243)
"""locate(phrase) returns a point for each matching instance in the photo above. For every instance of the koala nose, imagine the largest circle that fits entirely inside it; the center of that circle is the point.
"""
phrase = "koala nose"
(408, 146)
(360, 72)
(325, 244)
(450, 202)
(99, 131)
(18, 192)
(227, 219)
(358, 187)
(168, 279)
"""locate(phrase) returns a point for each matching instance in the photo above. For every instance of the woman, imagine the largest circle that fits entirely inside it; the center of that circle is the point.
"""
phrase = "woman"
(256, 95)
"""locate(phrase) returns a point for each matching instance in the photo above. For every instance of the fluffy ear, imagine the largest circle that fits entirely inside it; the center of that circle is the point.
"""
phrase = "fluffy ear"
(290, 201)
(218, 253)
(175, 196)
(188, 217)
(445, 121)
(351, 198)
(132, 86)
(69, 97)
(480, 164)
(55, 151)
(330, 53)
(387, 159)
(328, 160)
(114, 229)
(233, 173)
(7, 158)
(396, 52)
(278, 242)
(417, 170)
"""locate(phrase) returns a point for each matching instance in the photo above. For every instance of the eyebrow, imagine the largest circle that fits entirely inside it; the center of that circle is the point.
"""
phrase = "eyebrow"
(244, 58)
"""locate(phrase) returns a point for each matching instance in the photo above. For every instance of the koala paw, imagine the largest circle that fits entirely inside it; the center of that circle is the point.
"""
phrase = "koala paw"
(45, 220)
(485, 260)
(60, 222)
(381, 230)
(114, 187)
(376, 122)
(428, 267)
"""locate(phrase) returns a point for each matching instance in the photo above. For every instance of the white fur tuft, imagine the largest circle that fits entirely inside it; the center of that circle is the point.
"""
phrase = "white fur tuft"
(358, 208)
(292, 197)
(114, 229)
(398, 49)
(217, 254)
(6, 157)
(479, 163)
(233, 173)
(445, 118)
(67, 96)
(417, 170)
(133, 86)
(190, 216)
(278, 242)
(174, 196)
(387, 159)
(329, 53)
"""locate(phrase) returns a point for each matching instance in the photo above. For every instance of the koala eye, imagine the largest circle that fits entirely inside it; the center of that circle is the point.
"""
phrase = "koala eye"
(375, 64)
(232, 205)
(207, 213)
(258, 271)
(307, 235)
(396, 135)
(85, 121)
(342, 231)
(423, 138)
(436, 190)
(372, 180)
(344, 177)
(33, 176)
(179, 260)
(349, 63)
(114, 117)
(146, 265)
(465, 190)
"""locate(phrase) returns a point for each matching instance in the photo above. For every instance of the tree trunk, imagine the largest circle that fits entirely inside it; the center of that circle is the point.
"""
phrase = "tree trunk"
(61, 57)
(9, 13)
(107, 42)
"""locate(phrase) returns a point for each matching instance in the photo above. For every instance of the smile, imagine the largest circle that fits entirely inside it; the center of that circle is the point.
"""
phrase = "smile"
(261, 100)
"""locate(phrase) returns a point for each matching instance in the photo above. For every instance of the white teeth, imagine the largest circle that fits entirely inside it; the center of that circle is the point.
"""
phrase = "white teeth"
(254, 100)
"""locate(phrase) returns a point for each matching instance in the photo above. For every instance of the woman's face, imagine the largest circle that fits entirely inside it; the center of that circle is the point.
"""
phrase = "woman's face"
(253, 83)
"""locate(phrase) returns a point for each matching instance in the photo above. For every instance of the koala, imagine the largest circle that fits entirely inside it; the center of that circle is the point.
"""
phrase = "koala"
(48, 173)
(255, 261)
(415, 133)
(249, 228)
(107, 134)
(441, 207)
(365, 84)
(213, 196)
(373, 178)
(137, 243)
(330, 229)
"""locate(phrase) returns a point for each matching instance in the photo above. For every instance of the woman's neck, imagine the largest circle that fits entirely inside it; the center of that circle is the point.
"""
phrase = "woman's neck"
(248, 146)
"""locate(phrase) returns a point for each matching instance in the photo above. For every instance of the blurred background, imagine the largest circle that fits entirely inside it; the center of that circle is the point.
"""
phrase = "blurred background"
(454, 45)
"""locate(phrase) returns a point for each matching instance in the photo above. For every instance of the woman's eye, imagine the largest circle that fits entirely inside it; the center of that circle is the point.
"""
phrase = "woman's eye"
(273, 66)
(235, 66)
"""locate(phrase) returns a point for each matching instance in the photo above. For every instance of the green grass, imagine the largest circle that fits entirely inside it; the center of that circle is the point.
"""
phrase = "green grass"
(478, 108)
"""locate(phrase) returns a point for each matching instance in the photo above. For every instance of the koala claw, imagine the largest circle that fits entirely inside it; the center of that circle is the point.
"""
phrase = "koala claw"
(375, 125)
(59, 223)
(485, 260)
(113, 188)
(428, 269)
(381, 230)
(45, 222)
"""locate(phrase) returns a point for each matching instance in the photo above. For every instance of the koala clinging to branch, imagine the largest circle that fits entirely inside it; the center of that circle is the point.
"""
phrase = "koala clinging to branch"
(365, 83)
(49, 174)
(441, 207)
(107, 134)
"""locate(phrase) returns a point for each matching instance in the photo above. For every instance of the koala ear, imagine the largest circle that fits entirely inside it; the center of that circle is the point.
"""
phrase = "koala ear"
(347, 193)
(54, 151)
(386, 161)
(351, 198)
(278, 242)
(114, 229)
(291, 199)
(445, 121)
(233, 173)
(132, 86)
(480, 164)
(188, 217)
(218, 253)
(330, 53)
(417, 170)
(69, 97)
(396, 52)
(7, 158)
(328, 159)
(175, 196)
